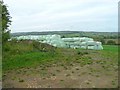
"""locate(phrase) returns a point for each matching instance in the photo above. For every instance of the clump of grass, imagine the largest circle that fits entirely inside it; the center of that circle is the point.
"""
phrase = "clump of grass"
(80, 53)
(113, 82)
(86, 52)
(49, 86)
(62, 80)
(53, 74)
(71, 64)
(47, 65)
(67, 59)
(103, 66)
(97, 76)
(24, 71)
(58, 70)
(67, 75)
(21, 80)
(42, 68)
(65, 68)
(89, 62)
(101, 62)
(14, 78)
(43, 78)
(73, 72)
(98, 61)
(83, 73)
(18, 71)
(77, 61)
(4, 75)
(43, 73)
(62, 64)
(88, 83)
(89, 73)
(79, 75)
(77, 68)
(28, 68)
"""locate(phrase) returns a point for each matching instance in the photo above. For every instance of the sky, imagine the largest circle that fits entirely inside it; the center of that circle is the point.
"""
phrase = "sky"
(63, 15)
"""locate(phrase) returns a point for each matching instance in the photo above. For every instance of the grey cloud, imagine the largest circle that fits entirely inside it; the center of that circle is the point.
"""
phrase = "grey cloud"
(31, 15)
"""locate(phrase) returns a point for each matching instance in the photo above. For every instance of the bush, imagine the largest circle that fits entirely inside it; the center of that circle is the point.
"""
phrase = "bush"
(111, 42)
(102, 41)
(6, 47)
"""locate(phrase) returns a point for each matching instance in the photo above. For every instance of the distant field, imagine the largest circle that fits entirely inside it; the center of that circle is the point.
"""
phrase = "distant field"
(61, 66)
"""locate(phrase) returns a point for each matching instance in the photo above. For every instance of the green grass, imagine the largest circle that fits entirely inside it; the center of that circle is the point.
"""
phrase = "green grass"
(28, 60)
(111, 52)
(113, 48)
(35, 58)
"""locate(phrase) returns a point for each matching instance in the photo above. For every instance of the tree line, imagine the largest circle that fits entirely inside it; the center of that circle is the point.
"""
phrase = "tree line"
(5, 22)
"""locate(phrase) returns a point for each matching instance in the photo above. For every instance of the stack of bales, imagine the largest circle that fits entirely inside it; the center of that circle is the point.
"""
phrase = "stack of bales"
(57, 41)
(83, 42)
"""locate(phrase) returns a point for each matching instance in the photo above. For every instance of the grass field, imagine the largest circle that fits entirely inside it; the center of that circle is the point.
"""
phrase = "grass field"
(113, 48)
(61, 67)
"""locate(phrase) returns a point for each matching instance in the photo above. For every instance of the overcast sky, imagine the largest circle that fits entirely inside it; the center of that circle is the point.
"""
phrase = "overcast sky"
(62, 15)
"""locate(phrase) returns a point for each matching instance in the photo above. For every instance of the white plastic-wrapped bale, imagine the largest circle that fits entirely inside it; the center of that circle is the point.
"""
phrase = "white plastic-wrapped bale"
(98, 46)
(67, 39)
(94, 45)
(59, 43)
(83, 43)
(84, 47)
(85, 39)
(76, 39)
(77, 43)
(91, 47)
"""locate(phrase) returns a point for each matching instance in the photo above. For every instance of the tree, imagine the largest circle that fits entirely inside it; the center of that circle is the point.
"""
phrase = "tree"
(102, 41)
(6, 22)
